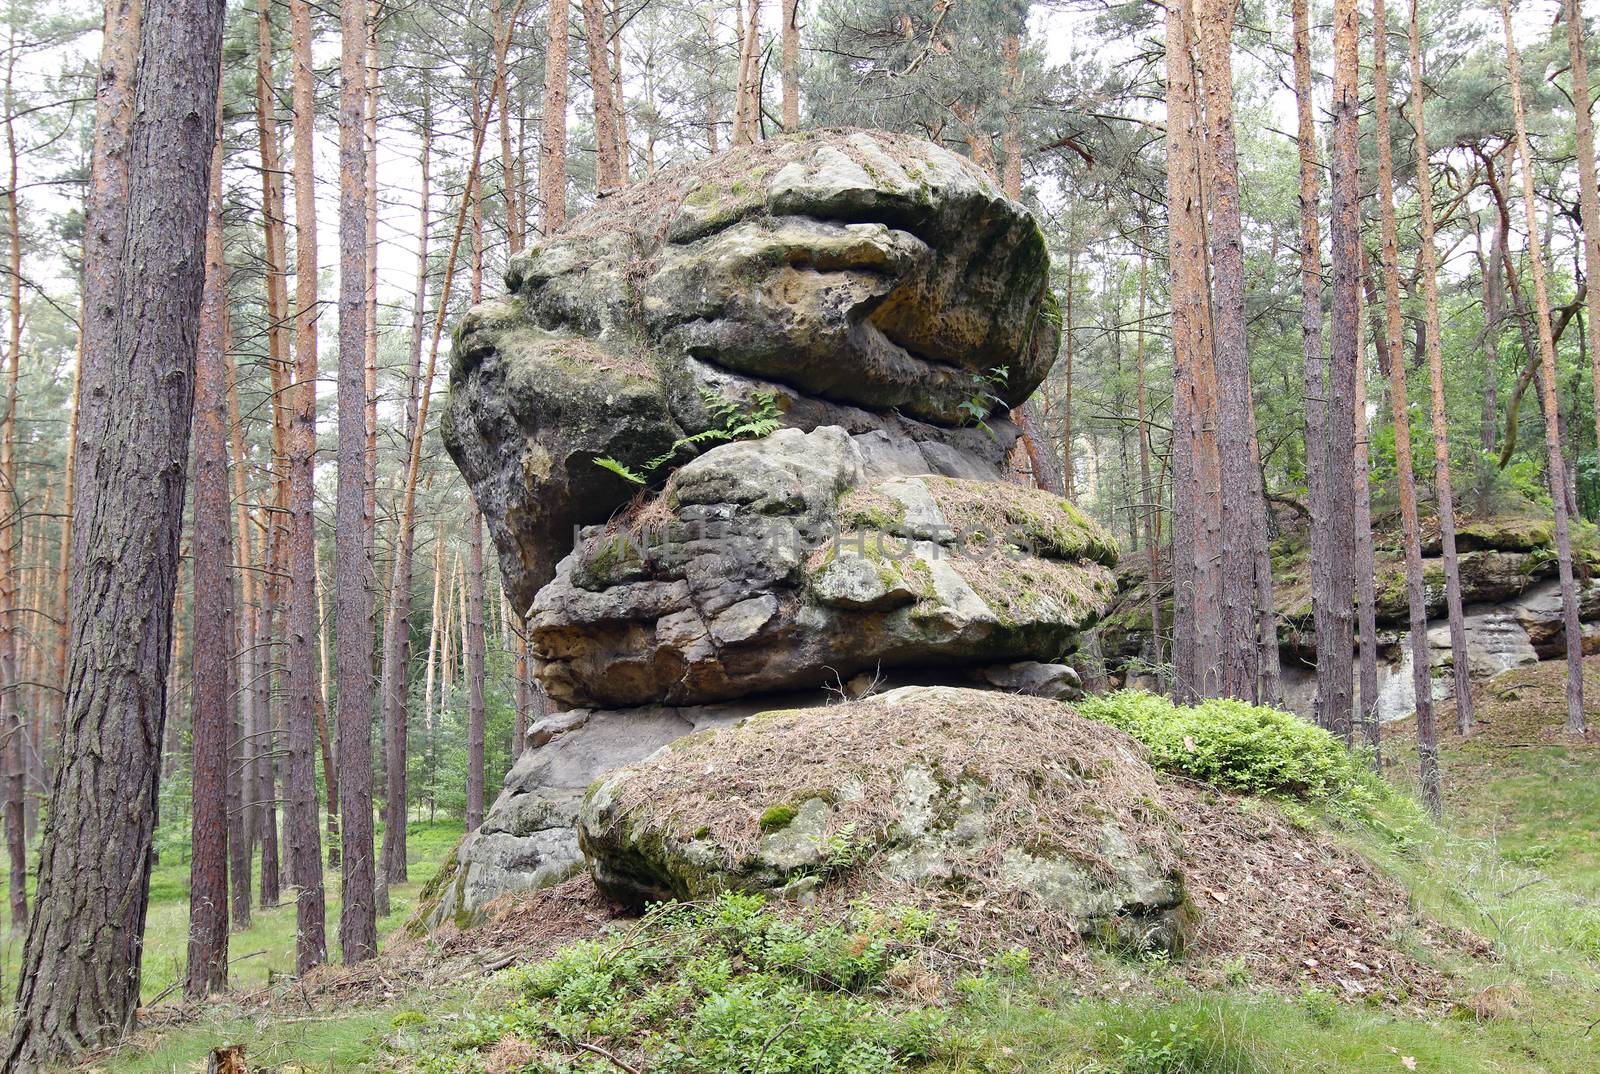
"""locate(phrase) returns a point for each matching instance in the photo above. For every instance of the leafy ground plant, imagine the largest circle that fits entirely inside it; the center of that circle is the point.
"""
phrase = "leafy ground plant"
(726, 985)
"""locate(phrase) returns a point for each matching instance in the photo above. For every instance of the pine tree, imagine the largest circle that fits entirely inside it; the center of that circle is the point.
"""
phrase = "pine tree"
(1555, 465)
(1421, 681)
(358, 930)
(299, 781)
(78, 982)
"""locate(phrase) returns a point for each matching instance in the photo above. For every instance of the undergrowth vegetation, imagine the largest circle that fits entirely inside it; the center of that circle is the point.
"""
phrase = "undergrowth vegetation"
(1250, 748)
(726, 985)
(738, 985)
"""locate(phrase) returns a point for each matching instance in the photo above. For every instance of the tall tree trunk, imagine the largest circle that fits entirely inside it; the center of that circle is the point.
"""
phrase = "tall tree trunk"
(435, 651)
(1068, 470)
(244, 809)
(1589, 192)
(299, 779)
(1197, 544)
(397, 624)
(1245, 594)
(1421, 680)
(508, 186)
(370, 459)
(275, 285)
(608, 170)
(358, 930)
(15, 750)
(713, 51)
(474, 671)
(553, 130)
(1441, 420)
(1316, 364)
(1011, 137)
(319, 703)
(213, 627)
(747, 93)
(78, 982)
(1149, 493)
(1366, 580)
(1556, 466)
(1335, 649)
(791, 66)
(619, 99)
(64, 564)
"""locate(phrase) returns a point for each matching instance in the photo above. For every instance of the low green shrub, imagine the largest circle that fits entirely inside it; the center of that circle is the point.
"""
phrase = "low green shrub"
(1246, 747)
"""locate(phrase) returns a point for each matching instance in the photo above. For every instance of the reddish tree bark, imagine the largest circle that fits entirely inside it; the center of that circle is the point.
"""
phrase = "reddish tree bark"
(791, 66)
(1589, 192)
(213, 627)
(264, 733)
(1421, 682)
(144, 251)
(1246, 593)
(1555, 466)
(1316, 362)
(553, 130)
(1441, 424)
(1335, 647)
(1197, 511)
(299, 781)
(608, 169)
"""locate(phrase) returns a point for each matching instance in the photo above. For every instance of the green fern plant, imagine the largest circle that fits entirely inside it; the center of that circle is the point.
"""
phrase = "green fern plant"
(730, 422)
(985, 394)
(606, 462)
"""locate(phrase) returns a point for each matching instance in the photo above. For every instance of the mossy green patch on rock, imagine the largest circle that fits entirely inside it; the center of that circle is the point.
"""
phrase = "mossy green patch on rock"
(1505, 534)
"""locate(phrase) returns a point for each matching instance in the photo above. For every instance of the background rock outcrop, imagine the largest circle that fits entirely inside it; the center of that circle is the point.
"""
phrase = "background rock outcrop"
(1511, 599)
(741, 436)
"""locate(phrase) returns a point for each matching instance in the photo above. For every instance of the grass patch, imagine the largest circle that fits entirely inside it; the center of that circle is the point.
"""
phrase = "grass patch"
(266, 948)
(725, 985)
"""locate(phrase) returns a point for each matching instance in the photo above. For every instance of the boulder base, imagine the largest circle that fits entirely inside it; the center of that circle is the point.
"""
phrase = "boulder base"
(922, 794)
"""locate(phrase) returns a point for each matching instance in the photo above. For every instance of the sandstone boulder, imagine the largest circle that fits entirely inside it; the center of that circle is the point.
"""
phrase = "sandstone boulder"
(773, 565)
(922, 794)
(866, 280)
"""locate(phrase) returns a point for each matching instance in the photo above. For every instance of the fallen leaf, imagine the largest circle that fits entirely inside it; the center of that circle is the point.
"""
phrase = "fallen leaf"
(1409, 1062)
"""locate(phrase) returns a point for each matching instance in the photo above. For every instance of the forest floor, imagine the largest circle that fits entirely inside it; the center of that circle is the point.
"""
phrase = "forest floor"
(1516, 863)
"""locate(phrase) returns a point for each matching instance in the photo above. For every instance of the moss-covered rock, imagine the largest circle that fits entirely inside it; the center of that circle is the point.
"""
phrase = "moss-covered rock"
(921, 794)
(862, 279)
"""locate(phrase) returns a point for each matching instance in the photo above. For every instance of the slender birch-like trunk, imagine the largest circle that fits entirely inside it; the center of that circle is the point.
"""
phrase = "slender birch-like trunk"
(1441, 422)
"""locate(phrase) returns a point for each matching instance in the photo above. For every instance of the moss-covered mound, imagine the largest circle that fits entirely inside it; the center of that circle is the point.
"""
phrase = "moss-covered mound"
(926, 794)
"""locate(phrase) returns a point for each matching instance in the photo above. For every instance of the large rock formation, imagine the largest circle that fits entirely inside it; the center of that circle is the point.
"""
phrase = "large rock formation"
(866, 280)
(740, 435)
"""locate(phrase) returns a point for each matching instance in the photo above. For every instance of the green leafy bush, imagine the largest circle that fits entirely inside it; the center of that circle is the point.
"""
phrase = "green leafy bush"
(1247, 747)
